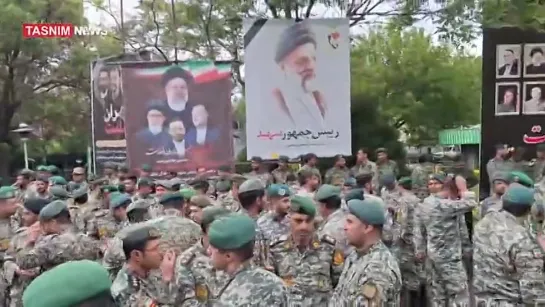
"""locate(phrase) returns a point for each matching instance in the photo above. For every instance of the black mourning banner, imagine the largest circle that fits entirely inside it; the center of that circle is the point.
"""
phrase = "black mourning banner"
(108, 125)
(513, 95)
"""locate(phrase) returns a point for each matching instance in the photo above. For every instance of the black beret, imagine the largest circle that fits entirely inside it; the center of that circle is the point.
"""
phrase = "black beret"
(156, 105)
(293, 37)
(176, 72)
(140, 235)
(256, 159)
(34, 205)
(173, 197)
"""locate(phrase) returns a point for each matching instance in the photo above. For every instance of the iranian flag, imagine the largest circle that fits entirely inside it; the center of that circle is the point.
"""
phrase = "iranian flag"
(202, 71)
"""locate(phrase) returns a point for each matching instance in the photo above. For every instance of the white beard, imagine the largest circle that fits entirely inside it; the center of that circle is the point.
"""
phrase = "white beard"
(155, 130)
(295, 81)
(177, 104)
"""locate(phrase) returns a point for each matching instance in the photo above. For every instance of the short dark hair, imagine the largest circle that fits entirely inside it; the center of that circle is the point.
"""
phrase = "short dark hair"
(309, 157)
(303, 176)
(103, 299)
(363, 179)
(536, 50)
(247, 199)
(365, 150)
(244, 252)
(176, 72)
(333, 202)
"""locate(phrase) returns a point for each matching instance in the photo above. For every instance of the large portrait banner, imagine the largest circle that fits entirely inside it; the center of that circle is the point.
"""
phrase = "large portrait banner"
(297, 78)
(179, 116)
(108, 124)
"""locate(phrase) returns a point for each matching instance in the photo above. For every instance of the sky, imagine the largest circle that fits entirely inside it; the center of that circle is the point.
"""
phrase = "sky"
(97, 17)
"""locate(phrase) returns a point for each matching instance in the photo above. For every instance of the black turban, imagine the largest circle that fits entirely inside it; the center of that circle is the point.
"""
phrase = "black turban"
(293, 37)
(176, 72)
(34, 205)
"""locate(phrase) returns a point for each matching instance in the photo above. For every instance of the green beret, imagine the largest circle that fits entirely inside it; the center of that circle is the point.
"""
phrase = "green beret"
(57, 180)
(59, 192)
(141, 235)
(387, 179)
(303, 205)
(201, 201)
(223, 185)
(500, 176)
(438, 177)
(187, 193)
(110, 188)
(278, 190)
(210, 214)
(405, 180)
(326, 191)
(79, 281)
(140, 204)
(80, 192)
(518, 194)
(7, 192)
(145, 182)
(381, 149)
(521, 178)
(251, 185)
(119, 200)
(52, 169)
(354, 194)
(369, 211)
(42, 168)
(171, 197)
(350, 182)
(238, 178)
(51, 210)
(232, 231)
(146, 168)
(35, 205)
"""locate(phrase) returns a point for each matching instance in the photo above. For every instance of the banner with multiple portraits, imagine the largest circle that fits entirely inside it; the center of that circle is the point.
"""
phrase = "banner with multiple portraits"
(178, 118)
(297, 87)
(513, 95)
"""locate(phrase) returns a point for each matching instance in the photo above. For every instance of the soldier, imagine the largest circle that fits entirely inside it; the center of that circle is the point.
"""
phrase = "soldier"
(42, 187)
(339, 172)
(222, 187)
(539, 165)
(107, 222)
(384, 164)
(364, 181)
(379, 284)
(197, 204)
(110, 173)
(134, 285)
(310, 161)
(24, 185)
(391, 196)
(438, 222)
(130, 183)
(196, 279)
(9, 205)
(231, 240)
(138, 211)
(329, 202)
(58, 193)
(78, 179)
(200, 186)
(85, 283)
(230, 199)
(364, 165)
(58, 244)
(493, 202)
(144, 190)
(500, 163)
(258, 171)
(274, 223)
(145, 170)
(42, 171)
(520, 178)
(281, 173)
(420, 175)
(16, 279)
(85, 207)
(308, 182)
(187, 193)
(309, 264)
(508, 261)
(162, 187)
(172, 204)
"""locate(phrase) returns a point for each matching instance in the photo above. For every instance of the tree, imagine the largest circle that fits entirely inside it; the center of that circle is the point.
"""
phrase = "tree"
(419, 87)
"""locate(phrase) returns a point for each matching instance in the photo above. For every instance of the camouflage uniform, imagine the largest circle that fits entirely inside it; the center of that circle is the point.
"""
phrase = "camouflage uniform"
(365, 168)
(281, 176)
(494, 166)
(104, 226)
(252, 286)
(388, 167)
(196, 279)
(419, 179)
(492, 202)
(310, 275)
(273, 225)
(6, 232)
(313, 169)
(438, 235)
(155, 207)
(369, 278)
(508, 262)
(337, 175)
(261, 248)
(392, 200)
(265, 178)
(333, 226)
(228, 201)
(129, 290)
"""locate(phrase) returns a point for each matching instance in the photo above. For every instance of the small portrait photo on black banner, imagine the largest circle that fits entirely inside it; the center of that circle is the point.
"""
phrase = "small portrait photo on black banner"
(507, 98)
(508, 61)
(534, 98)
(534, 60)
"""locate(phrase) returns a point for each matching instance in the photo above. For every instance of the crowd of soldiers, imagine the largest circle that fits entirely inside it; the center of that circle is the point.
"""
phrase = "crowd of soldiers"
(359, 236)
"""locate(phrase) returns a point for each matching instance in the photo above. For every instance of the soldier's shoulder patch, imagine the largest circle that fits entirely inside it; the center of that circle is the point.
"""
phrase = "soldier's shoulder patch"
(278, 240)
(329, 239)
(338, 257)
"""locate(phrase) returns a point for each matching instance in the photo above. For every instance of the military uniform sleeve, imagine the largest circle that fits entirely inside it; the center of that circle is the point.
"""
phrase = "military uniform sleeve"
(528, 261)
(464, 235)
(376, 286)
(92, 228)
(490, 170)
(38, 256)
(419, 239)
(462, 205)
(186, 290)
(337, 266)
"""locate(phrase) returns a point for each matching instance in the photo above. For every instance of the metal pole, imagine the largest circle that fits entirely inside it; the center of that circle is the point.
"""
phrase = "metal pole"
(25, 152)
(122, 19)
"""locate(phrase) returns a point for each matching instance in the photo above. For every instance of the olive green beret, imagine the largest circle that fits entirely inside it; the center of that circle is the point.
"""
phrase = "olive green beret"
(35, 205)
(146, 168)
(278, 190)
(238, 178)
(141, 235)
(521, 178)
(41, 168)
(232, 231)
(518, 194)
(53, 169)
(119, 200)
(145, 182)
(387, 179)
(57, 180)
(201, 201)
(303, 205)
(7, 192)
(326, 191)
(354, 194)
(369, 211)
(167, 184)
(140, 204)
(59, 192)
(210, 214)
(350, 182)
(251, 185)
(171, 197)
(51, 210)
(82, 191)
(223, 185)
(78, 280)
(405, 180)
(110, 188)
(187, 193)
(438, 177)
